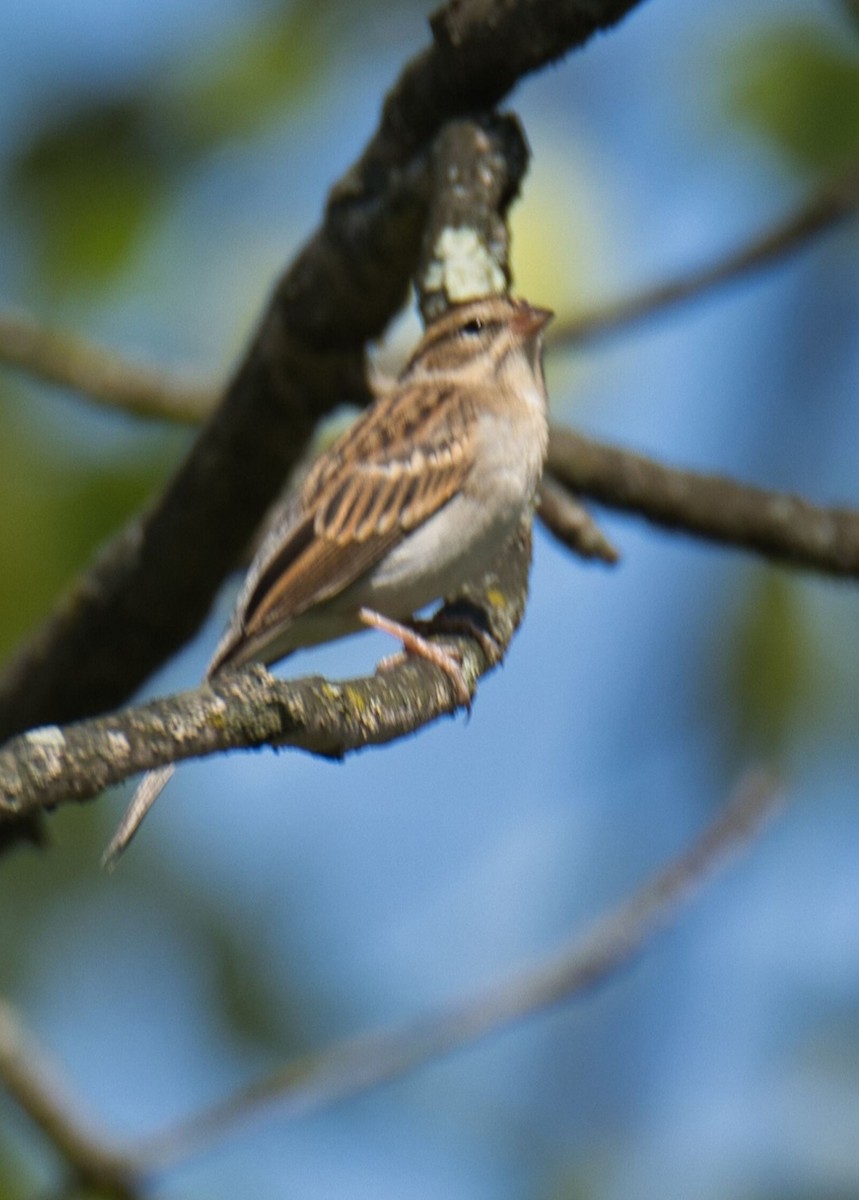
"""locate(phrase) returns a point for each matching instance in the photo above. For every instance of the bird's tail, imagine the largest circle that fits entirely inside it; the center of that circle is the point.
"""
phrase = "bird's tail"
(148, 790)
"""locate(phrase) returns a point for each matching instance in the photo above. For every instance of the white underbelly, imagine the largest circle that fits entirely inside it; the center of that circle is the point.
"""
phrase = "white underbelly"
(435, 560)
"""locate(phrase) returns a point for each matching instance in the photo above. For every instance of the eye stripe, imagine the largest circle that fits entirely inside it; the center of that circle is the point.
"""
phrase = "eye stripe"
(486, 331)
(454, 323)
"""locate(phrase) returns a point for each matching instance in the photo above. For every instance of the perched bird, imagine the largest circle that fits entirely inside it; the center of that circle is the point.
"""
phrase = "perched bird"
(411, 502)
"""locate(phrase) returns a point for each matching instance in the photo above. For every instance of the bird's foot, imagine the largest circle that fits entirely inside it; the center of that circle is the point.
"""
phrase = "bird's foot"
(413, 643)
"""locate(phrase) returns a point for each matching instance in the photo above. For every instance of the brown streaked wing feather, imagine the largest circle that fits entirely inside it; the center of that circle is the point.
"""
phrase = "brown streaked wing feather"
(322, 572)
(390, 472)
(399, 466)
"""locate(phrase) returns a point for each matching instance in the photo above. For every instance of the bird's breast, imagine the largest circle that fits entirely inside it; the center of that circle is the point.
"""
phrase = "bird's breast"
(457, 543)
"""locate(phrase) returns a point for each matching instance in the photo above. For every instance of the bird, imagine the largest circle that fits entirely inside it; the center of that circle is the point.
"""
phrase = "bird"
(410, 503)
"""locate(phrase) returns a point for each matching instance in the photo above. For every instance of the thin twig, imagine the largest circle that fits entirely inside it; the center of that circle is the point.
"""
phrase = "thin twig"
(828, 207)
(780, 526)
(365, 1062)
(99, 375)
(361, 1063)
(105, 377)
(570, 523)
(34, 1083)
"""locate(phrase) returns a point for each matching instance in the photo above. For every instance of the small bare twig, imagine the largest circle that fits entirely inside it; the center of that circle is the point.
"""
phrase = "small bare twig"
(361, 1063)
(34, 1083)
(99, 375)
(358, 1064)
(828, 207)
(778, 525)
(567, 519)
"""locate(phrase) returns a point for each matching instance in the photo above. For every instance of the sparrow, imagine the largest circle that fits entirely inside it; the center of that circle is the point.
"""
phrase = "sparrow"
(412, 501)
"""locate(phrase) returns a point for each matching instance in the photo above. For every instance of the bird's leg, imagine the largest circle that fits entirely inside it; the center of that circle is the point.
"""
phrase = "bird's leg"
(462, 624)
(413, 643)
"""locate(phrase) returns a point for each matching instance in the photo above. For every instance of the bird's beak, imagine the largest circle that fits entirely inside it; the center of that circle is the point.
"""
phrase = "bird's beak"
(528, 320)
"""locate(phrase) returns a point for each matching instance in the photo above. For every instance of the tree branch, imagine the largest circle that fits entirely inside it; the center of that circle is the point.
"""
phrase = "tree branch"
(776, 524)
(250, 708)
(98, 375)
(828, 207)
(358, 1064)
(105, 377)
(477, 170)
(51, 766)
(151, 587)
(570, 523)
(35, 1085)
(476, 173)
(361, 1063)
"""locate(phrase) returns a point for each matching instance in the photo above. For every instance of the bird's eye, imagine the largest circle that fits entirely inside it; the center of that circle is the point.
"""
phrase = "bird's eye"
(473, 327)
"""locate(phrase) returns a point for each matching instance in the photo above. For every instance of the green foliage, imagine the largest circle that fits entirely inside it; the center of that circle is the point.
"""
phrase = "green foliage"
(259, 72)
(12, 1185)
(800, 88)
(95, 175)
(98, 171)
(86, 185)
(56, 510)
(255, 1008)
(572, 1184)
(771, 665)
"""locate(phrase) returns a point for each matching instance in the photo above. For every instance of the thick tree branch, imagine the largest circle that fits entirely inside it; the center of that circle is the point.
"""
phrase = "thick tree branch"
(152, 586)
(827, 208)
(776, 524)
(477, 169)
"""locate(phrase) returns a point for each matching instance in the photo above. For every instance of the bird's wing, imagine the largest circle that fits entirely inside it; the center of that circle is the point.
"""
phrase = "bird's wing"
(401, 462)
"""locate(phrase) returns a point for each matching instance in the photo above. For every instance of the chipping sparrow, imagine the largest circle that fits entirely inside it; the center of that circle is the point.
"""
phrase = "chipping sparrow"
(411, 502)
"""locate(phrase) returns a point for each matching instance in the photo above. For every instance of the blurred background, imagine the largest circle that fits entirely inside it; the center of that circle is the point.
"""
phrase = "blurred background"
(159, 164)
